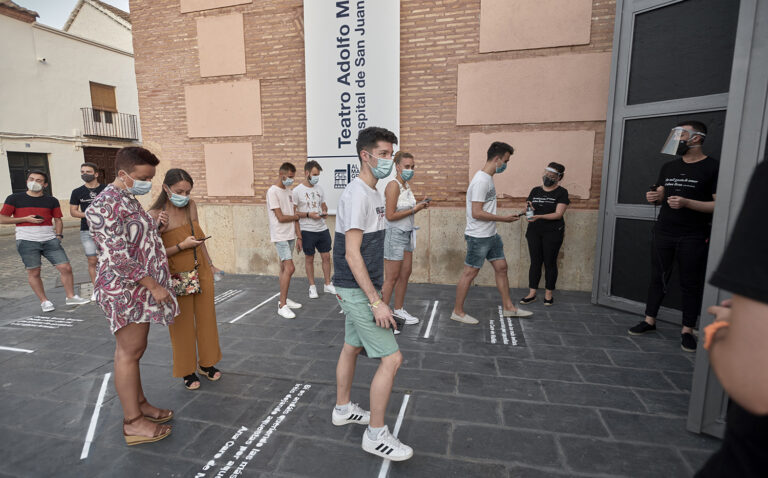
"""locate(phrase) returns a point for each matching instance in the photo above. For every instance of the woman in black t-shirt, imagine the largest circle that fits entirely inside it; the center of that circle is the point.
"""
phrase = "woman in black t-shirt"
(546, 230)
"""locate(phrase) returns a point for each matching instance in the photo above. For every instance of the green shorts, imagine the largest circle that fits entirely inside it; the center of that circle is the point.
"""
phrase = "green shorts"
(360, 330)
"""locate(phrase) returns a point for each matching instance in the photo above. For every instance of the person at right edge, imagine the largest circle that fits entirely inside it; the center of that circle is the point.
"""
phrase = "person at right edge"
(358, 261)
(686, 190)
(736, 340)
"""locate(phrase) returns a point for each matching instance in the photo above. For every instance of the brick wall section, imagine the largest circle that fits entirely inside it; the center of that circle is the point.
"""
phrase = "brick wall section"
(436, 36)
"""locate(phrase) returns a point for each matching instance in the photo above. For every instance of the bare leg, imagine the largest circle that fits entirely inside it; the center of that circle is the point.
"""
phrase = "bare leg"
(93, 261)
(309, 265)
(65, 271)
(391, 273)
(345, 373)
(36, 283)
(402, 281)
(531, 293)
(131, 341)
(381, 387)
(502, 283)
(326, 257)
(286, 271)
(548, 294)
(462, 288)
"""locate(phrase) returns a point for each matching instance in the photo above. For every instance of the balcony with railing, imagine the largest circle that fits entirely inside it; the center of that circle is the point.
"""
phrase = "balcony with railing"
(106, 124)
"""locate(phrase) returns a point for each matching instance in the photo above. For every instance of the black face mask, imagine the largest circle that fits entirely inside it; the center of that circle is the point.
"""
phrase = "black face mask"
(682, 147)
(549, 182)
(87, 177)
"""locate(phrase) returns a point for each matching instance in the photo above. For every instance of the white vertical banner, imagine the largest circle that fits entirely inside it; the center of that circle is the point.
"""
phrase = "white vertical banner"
(352, 63)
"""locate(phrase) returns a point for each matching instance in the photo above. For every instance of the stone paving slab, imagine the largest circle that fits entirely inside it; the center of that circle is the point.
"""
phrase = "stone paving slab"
(580, 398)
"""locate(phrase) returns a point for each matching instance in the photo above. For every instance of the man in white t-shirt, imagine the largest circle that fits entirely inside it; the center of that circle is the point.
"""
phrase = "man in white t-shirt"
(482, 240)
(358, 260)
(283, 231)
(309, 199)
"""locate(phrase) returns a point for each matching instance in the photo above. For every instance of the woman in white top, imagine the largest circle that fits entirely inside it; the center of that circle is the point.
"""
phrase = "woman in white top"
(401, 206)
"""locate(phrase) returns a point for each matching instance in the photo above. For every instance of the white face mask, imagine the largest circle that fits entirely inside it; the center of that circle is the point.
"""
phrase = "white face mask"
(34, 186)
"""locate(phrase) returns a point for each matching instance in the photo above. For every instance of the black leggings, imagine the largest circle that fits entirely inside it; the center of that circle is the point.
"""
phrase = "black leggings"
(690, 253)
(544, 246)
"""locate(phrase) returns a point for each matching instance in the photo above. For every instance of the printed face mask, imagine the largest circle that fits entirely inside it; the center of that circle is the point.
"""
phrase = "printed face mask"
(314, 180)
(407, 174)
(34, 186)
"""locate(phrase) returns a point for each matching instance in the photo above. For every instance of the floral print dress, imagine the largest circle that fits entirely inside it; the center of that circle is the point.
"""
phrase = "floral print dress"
(129, 250)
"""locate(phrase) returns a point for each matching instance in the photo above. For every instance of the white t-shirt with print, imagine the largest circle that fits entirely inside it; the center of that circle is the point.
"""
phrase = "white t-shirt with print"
(481, 189)
(280, 198)
(360, 207)
(309, 199)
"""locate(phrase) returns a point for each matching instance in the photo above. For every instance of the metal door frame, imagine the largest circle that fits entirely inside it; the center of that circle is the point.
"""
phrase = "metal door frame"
(618, 113)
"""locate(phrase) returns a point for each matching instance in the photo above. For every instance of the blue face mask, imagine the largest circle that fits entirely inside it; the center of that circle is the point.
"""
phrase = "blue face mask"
(287, 182)
(314, 180)
(178, 200)
(383, 167)
(502, 168)
(407, 174)
(139, 187)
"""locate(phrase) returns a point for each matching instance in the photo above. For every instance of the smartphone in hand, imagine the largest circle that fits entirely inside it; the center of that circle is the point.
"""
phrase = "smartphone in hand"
(204, 239)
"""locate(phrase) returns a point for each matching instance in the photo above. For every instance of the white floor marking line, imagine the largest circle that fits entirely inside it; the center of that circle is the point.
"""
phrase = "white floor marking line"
(13, 349)
(431, 318)
(248, 312)
(386, 463)
(95, 417)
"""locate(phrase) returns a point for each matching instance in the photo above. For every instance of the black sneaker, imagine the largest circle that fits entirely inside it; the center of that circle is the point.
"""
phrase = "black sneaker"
(642, 328)
(528, 300)
(688, 342)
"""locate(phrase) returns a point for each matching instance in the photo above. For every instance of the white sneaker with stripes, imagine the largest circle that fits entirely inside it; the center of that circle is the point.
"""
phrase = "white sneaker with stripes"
(387, 446)
(355, 414)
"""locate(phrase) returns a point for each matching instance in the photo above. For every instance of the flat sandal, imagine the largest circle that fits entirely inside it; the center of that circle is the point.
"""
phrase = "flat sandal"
(161, 431)
(164, 416)
(209, 372)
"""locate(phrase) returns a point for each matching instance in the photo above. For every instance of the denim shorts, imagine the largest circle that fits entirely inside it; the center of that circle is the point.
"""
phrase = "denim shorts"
(360, 329)
(32, 251)
(88, 244)
(481, 248)
(311, 241)
(396, 242)
(285, 249)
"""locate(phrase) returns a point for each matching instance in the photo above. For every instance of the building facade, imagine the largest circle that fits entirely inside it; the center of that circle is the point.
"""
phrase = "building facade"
(66, 99)
(471, 72)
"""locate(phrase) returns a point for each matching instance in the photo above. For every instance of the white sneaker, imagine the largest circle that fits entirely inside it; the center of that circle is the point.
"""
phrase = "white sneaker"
(329, 288)
(313, 292)
(387, 446)
(93, 297)
(466, 319)
(408, 318)
(76, 300)
(355, 415)
(292, 304)
(47, 306)
(285, 312)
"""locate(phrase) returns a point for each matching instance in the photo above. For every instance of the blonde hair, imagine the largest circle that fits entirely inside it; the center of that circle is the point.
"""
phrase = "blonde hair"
(402, 154)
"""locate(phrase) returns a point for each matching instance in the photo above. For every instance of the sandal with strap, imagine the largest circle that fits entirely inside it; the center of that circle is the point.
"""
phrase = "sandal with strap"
(163, 417)
(209, 372)
(161, 431)
(190, 381)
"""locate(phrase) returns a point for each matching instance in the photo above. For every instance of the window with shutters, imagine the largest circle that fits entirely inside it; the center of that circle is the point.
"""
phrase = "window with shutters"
(103, 97)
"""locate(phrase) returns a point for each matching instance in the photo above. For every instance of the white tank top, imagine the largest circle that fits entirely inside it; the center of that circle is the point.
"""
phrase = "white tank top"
(405, 201)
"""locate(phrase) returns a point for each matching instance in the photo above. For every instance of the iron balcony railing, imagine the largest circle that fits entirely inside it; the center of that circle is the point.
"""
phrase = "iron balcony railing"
(106, 124)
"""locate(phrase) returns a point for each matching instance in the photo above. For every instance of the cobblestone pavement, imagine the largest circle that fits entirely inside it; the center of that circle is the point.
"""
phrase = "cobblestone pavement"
(570, 394)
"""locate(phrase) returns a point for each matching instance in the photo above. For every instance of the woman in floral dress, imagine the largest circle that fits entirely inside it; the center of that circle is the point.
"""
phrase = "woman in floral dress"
(132, 285)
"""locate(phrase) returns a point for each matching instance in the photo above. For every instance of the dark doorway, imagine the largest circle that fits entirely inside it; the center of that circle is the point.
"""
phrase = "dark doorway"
(19, 164)
(104, 158)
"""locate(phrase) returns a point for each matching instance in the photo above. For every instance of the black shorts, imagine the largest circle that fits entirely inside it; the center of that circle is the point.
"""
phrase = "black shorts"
(315, 240)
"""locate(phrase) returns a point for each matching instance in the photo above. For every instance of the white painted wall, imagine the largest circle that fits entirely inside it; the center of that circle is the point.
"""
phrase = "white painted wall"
(40, 100)
(97, 25)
